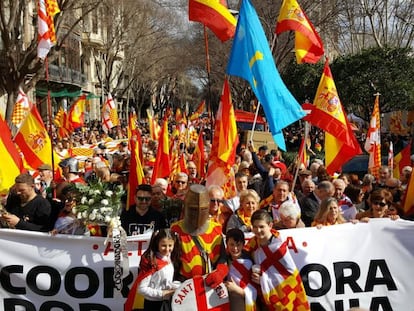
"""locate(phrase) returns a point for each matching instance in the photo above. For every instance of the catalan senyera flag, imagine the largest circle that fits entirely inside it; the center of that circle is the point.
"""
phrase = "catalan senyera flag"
(11, 162)
(162, 167)
(373, 141)
(402, 159)
(154, 127)
(327, 113)
(109, 114)
(225, 140)
(215, 15)
(33, 140)
(46, 37)
(408, 201)
(252, 60)
(21, 108)
(308, 44)
(62, 124)
(76, 115)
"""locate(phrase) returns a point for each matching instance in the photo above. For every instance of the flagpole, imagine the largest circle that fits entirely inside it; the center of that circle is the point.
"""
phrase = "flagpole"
(208, 69)
(254, 121)
(49, 116)
(301, 153)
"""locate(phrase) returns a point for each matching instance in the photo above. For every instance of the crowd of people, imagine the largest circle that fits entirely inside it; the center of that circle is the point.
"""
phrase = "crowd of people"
(197, 230)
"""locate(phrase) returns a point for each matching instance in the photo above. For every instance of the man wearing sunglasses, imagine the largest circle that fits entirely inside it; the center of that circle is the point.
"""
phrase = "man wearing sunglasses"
(141, 218)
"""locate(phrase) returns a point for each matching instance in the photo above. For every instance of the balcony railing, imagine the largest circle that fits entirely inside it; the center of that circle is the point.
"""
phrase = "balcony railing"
(66, 75)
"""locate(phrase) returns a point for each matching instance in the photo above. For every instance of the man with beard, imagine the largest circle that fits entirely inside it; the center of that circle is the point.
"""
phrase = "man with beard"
(203, 250)
(26, 210)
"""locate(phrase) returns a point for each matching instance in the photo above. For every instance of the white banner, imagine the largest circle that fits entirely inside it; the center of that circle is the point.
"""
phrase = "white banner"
(367, 264)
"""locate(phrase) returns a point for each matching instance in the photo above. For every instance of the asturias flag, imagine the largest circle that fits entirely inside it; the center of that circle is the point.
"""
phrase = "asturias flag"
(308, 44)
(214, 15)
(251, 59)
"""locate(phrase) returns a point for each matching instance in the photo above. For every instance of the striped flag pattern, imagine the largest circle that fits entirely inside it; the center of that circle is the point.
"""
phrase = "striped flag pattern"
(21, 109)
(46, 38)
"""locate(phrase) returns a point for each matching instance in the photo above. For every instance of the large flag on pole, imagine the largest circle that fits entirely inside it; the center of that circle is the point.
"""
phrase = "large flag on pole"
(109, 114)
(373, 141)
(327, 113)
(11, 162)
(308, 44)
(214, 15)
(153, 125)
(21, 109)
(401, 160)
(251, 59)
(162, 167)
(76, 115)
(46, 37)
(62, 123)
(225, 141)
(33, 140)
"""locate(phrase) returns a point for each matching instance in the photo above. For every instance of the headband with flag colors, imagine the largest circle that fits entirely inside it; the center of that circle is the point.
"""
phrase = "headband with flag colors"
(76, 114)
(327, 113)
(11, 162)
(214, 15)
(373, 141)
(308, 44)
(251, 59)
(21, 109)
(46, 38)
(224, 145)
(33, 141)
(109, 114)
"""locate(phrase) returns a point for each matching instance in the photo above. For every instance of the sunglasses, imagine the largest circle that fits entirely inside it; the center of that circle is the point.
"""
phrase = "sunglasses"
(144, 199)
(216, 201)
(382, 204)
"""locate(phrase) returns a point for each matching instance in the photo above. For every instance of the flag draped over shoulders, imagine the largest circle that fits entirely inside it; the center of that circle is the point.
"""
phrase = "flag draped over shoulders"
(11, 162)
(251, 59)
(214, 15)
(308, 44)
(327, 113)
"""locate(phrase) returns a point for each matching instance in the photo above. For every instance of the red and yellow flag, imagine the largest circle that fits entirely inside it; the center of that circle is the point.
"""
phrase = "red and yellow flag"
(21, 109)
(199, 111)
(408, 201)
(46, 37)
(214, 15)
(154, 127)
(109, 114)
(11, 162)
(373, 141)
(33, 140)
(76, 114)
(401, 160)
(136, 172)
(62, 124)
(224, 145)
(162, 161)
(308, 44)
(327, 113)
(198, 155)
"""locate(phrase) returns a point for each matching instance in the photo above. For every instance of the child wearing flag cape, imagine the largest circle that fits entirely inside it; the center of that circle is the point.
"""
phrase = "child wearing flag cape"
(280, 282)
(242, 292)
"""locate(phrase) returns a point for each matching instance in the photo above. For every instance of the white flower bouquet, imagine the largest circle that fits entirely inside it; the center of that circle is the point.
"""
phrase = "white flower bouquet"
(99, 202)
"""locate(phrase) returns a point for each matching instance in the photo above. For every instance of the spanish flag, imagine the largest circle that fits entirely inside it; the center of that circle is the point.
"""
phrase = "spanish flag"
(214, 15)
(308, 44)
(33, 140)
(327, 113)
(76, 114)
(11, 163)
(162, 167)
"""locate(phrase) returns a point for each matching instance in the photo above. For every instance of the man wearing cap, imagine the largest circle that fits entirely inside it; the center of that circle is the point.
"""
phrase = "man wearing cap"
(46, 177)
(26, 210)
(141, 217)
(70, 170)
(202, 246)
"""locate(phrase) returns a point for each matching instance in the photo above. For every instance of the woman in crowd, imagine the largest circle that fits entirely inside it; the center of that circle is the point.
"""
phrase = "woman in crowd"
(249, 203)
(379, 201)
(289, 217)
(328, 214)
